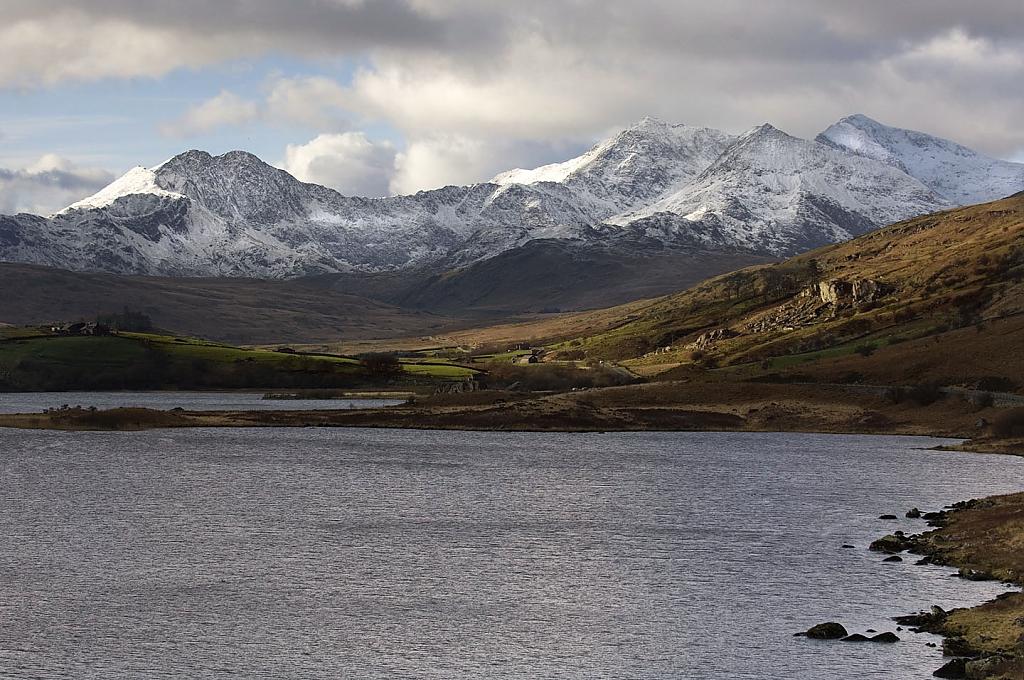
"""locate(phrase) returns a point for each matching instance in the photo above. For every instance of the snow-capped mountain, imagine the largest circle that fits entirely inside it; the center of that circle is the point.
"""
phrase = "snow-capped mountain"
(672, 186)
(636, 166)
(234, 215)
(773, 192)
(953, 171)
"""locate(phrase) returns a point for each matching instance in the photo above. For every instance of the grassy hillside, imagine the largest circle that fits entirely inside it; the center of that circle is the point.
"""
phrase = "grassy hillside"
(937, 297)
(37, 361)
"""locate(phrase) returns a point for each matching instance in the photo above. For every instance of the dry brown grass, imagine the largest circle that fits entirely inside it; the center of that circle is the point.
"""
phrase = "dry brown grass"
(987, 537)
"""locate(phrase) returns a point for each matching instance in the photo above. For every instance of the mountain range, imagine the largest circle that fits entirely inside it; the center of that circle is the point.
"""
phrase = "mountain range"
(652, 187)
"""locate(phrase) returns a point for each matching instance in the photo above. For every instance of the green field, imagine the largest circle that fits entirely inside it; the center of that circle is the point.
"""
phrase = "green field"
(437, 369)
(34, 361)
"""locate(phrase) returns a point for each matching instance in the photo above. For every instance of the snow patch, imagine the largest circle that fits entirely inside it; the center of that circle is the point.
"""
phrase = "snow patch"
(138, 180)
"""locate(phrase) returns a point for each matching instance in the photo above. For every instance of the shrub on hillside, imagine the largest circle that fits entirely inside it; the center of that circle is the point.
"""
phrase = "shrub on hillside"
(996, 383)
(984, 400)
(895, 395)
(1009, 423)
(925, 394)
(865, 350)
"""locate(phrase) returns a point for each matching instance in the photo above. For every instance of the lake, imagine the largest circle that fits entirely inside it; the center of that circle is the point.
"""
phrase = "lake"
(319, 553)
(36, 402)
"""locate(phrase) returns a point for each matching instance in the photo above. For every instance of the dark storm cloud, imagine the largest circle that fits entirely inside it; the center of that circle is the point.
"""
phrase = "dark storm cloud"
(731, 29)
(305, 26)
(477, 81)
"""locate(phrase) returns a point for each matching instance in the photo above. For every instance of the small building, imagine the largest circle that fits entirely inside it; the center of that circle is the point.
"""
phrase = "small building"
(527, 359)
(81, 328)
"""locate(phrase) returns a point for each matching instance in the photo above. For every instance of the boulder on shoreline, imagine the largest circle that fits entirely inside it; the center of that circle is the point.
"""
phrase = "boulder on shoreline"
(957, 668)
(958, 646)
(893, 543)
(826, 631)
(885, 637)
(926, 622)
(974, 574)
(988, 667)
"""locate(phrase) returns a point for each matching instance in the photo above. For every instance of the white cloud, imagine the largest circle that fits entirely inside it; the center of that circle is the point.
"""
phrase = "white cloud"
(316, 101)
(227, 108)
(440, 160)
(430, 161)
(478, 87)
(527, 98)
(348, 162)
(48, 185)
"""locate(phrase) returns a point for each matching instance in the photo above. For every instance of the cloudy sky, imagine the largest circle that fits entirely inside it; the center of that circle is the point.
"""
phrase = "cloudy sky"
(391, 96)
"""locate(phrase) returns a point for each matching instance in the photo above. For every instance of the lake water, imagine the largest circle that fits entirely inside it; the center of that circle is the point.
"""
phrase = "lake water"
(349, 553)
(36, 402)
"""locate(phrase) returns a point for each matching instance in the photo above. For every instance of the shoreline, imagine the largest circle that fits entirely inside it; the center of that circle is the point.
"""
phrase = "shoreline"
(984, 540)
(491, 420)
(675, 406)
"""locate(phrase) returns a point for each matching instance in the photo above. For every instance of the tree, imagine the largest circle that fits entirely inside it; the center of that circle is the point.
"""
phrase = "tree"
(130, 320)
(381, 364)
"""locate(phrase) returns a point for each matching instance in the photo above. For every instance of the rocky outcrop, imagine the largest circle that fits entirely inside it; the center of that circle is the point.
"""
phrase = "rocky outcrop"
(706, 340)
(819, 302)
(839, 292)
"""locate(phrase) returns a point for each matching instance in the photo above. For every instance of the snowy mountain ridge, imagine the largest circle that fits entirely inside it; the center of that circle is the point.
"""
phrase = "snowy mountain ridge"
(672, 186)
(951, 170)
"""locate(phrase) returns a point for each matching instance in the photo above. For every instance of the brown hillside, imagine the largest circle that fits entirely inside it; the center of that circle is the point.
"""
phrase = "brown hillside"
(936, 297)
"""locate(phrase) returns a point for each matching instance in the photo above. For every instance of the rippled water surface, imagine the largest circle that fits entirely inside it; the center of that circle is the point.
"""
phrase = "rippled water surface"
(35, 402)
(306, 553)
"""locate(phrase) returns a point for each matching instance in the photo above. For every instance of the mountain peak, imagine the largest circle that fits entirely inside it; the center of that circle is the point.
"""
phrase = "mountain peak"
(196, 158)
(137, 181)
(765, 133)
(861, 121)
(952, 170)
(632, 167)
(649, 122)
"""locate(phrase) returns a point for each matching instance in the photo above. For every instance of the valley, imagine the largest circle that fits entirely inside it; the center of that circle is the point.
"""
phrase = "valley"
(913, 328)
